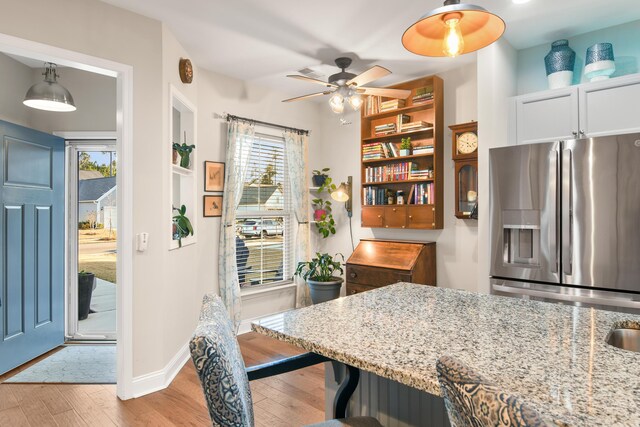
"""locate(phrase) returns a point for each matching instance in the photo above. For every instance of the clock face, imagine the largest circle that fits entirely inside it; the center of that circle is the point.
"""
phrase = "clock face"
(467, 143)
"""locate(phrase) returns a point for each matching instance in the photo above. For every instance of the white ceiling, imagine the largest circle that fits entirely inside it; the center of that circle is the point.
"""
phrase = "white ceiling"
(263, 41)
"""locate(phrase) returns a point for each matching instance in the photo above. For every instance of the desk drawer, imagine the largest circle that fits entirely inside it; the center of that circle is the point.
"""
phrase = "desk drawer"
(375, 276)
(353, 288)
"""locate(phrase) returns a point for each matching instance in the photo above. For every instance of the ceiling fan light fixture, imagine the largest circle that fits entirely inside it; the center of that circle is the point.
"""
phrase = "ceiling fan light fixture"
(355, 99)
(466, 28)
(336, 102)
(49, 95)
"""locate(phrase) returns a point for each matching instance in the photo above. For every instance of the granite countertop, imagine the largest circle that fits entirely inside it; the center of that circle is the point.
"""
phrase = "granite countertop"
(553, 355)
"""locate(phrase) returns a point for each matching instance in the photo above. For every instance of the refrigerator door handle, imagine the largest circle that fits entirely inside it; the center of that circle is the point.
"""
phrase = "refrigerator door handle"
(585, 299)
(553, 224)
(567, 211)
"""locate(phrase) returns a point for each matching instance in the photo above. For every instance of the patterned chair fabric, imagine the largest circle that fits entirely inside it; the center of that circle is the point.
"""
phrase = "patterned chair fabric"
(216, 355)
(471, 400)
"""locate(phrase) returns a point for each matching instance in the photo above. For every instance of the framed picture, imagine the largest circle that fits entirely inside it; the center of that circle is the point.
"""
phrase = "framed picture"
(213, 176)
(212, 206)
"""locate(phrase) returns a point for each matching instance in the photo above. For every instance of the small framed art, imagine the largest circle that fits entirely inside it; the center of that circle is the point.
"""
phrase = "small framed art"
(213, 176)
(212, 206)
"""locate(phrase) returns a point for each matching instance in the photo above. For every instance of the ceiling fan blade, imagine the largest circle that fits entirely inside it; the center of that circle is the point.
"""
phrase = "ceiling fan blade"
(388, 93)
(374, 73)
(310, 80)
(311, 95)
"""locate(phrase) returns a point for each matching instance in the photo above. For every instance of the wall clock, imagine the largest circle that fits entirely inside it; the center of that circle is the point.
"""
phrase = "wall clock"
(464, 146)
(186, 70)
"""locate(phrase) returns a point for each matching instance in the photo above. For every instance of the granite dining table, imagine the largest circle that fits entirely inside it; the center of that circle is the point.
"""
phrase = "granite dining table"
(553, 355)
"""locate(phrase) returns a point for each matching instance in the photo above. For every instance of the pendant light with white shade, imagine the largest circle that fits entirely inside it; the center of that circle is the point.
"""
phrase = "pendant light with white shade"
(49, 95)
(453, 29)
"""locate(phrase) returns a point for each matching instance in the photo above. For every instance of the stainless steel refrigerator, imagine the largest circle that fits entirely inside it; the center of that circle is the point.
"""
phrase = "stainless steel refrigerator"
(565, 222)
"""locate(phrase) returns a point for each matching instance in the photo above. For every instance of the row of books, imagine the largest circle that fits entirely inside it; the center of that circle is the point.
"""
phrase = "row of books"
(423, 149)
(373, 151)
(423, 94)
(374, 196)
(375, 104)
(422, 194)
(405, 171)
(392, 104)
(420, 124)
(421, 174)
(372, 105)
(395, 172)
(385, 129)
(389, 150)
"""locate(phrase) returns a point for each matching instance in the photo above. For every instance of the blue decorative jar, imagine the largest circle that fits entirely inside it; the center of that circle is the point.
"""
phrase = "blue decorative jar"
(559, 63)
(599, 63)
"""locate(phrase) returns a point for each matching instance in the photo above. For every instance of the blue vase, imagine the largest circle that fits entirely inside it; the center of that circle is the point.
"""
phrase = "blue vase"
(600, 62)
(559, 64)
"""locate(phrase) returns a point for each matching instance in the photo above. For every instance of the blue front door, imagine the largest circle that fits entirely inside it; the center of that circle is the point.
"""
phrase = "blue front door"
(31, 244)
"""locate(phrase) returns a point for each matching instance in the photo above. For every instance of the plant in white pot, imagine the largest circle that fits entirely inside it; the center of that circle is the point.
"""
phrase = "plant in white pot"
(405, 146)
(319, 274)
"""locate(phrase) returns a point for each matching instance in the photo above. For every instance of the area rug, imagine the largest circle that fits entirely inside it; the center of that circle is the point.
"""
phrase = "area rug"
(74, 364)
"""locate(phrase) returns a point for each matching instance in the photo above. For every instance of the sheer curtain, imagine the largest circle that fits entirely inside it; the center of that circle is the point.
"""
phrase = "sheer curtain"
(296, 148)
(239, 142)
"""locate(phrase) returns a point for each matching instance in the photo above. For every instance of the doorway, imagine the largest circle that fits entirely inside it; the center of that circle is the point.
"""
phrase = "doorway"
(124, 137)
(92, 230)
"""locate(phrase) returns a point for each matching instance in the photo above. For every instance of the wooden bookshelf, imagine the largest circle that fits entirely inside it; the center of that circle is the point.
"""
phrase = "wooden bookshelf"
(411, 215)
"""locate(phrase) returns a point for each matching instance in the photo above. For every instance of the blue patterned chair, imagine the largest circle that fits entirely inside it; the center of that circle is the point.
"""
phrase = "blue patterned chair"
(471, 400)
(225, 381)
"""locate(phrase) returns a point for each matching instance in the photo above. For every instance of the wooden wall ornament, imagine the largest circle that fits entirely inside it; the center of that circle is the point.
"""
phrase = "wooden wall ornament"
(186, 70)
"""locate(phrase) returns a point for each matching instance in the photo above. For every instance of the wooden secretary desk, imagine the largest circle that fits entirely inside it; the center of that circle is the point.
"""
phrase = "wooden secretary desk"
(376, 263)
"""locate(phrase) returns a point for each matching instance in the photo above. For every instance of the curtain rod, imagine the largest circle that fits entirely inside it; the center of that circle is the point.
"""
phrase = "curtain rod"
(229, 117)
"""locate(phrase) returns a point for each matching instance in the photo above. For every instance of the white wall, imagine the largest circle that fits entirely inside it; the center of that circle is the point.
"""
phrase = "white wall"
(497, 72)
(457, 243)
(16, 80)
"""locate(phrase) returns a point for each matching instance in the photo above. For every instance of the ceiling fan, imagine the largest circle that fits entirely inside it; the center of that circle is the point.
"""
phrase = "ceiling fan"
(348, 86)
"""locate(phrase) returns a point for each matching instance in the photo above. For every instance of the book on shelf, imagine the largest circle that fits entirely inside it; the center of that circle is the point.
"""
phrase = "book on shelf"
(402, 119)
(420, 124)
(423, 149)
(393, 104)
(423, 94)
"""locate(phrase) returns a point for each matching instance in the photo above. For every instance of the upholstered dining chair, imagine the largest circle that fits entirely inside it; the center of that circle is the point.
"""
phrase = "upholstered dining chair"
(472, 400)
(225, 380)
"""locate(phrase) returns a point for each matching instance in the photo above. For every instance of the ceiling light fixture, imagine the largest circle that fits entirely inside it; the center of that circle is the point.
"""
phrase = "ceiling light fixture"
(453, 29)
(49, 95)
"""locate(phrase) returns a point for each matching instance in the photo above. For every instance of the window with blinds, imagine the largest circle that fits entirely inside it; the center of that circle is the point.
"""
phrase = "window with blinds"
(263, 218)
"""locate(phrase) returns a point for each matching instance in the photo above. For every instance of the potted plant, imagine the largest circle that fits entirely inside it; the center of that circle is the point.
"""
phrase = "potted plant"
(405, 146)
(86, 282)
(175, 154)
(184, 151)
(320, 209)
(319, 177)
(319, 275)
(181, 225)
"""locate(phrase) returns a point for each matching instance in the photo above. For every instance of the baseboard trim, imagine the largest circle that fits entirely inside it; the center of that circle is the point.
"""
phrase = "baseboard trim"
(159, 380)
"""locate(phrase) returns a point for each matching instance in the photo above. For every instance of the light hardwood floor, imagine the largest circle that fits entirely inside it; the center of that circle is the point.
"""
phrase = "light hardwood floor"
(292, 399)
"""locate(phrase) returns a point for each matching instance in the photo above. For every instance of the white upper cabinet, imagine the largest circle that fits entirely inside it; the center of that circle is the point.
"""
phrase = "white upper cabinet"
(610, 107)
(547, 116)
(592, 109)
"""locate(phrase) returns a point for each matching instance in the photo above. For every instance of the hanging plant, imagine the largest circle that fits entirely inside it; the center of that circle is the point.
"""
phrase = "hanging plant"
(325, 224)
